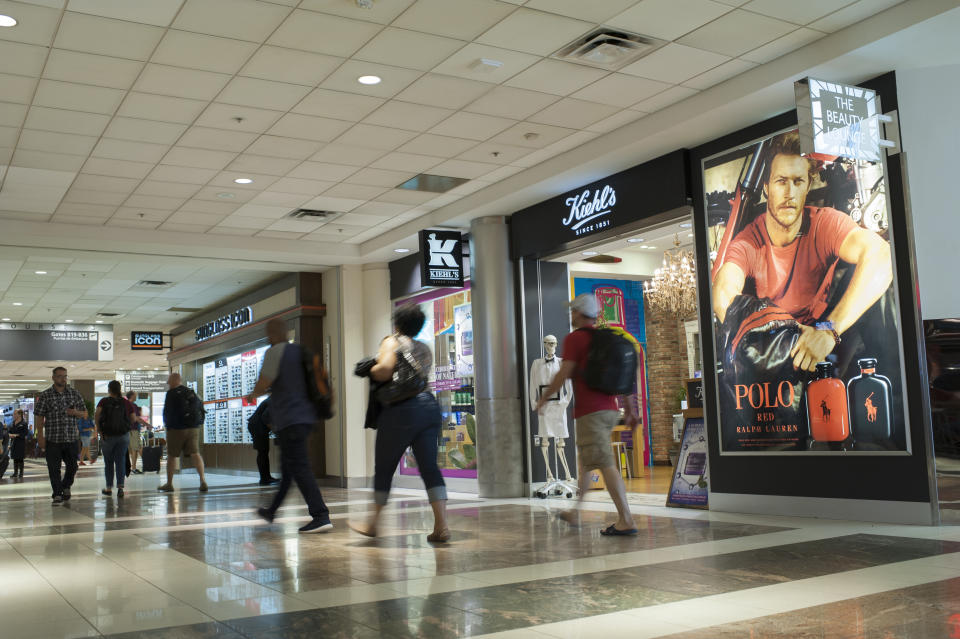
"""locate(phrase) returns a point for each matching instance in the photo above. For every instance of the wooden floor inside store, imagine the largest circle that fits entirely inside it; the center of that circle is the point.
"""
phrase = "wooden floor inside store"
(656, 480)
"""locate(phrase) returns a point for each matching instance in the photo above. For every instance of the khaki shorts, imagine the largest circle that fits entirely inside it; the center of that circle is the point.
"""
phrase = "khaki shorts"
(135, 442)
(593, 439)
(182, 440)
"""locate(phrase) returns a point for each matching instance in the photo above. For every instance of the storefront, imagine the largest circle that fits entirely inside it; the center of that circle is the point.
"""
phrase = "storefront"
(219, 354)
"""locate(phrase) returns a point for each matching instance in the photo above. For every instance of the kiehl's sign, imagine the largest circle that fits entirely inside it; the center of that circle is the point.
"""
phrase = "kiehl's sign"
(224, 324)
(441, 258)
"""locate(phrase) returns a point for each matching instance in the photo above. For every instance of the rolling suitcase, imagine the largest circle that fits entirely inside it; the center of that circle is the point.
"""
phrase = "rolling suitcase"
(151, 458)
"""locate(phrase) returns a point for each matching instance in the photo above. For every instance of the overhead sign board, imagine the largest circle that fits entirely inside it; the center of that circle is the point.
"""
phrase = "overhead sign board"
(224, 324)
(55, 342)
(143, 381)
(146, 340)
(441, 255)
(838, 120)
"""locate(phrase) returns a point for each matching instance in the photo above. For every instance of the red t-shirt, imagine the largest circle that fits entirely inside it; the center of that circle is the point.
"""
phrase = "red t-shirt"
(795, 277)
(585, 400)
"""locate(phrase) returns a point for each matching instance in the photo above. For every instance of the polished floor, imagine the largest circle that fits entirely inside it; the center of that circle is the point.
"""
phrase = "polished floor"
(191, 565)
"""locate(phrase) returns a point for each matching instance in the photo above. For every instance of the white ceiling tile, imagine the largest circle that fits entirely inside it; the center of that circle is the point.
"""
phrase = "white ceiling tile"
(118, 168)
(355, 191)
(36, 25)
(220, 207)
(322, 171)
(161, 108)
(96, 197)
(250, 224)
(463, 169)
(798, 13)
(105, 36)
(246, 163)
(620, 89)
(495, 153)
(380, 12)
(340, 204)
(294, 226)
(217, 139)
(141, 214)
(134, 224)
(86, 68)
(181, 83)
(79, 219)
(50, 142)
(509, 102)
(532, 135)
(225, 178)
(166, 189)
(573, 114)
(464, 19)
(309, 127)
(406, 196)
(597, 11)
(719, 74)
(358, 219)
(393, 79)
(554, 76)
(380, 177)
(105, 183)
(397, 161)
(321, 33)
(197, 51)
(737, 32)
(155, 202)
(616, 121)
(199, 158)
(665, 99)
(144, 130)
(674, 63)
(188, 175)
(290, 65)
(437, 145)
(262, 94)
(380, 209)
(374, 137)
(128, 150)
(194, 218)
(410, 49)
(224, 116)
(782, 46)
(300, 186)
(64, 121)
(179, 227)
(78, 97)
(465, 63)
(502, 173)
(279, 235)
(668, 19)
(473, 126)
(406, 115)
(534, 32)
(334, 232)
(338, 105)
(23, 59)
(17, 88)
(276, 198)
(155, 12)
(443, 91)
(852, 14)
(280, 147)
(239, 19)
(346, 154)
(234, 197)
(49, 161)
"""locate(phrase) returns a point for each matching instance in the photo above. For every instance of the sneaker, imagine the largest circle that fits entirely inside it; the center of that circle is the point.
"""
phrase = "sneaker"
(167, 488)
(203, 487)
(83, 463)
(119, 493)
(57, 499)
(265, 514)
(66, 494)
(317, 526)
(106, 491)
(269, 482)
(137, 471)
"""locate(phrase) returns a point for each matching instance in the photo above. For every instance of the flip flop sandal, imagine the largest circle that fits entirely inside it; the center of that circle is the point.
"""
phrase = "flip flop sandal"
(612, 531)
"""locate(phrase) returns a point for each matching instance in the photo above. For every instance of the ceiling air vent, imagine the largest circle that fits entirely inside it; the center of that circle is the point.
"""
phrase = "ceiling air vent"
(607, 48)
(108, 315)
(153, 284)
(183, 309)
(311, 215)
(432, 183)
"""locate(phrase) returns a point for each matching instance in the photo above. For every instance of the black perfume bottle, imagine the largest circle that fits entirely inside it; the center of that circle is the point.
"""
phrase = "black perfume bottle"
(869, 395)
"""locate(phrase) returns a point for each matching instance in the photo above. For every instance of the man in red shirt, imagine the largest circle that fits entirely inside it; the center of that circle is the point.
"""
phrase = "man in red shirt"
(791, 251)
(595, 414)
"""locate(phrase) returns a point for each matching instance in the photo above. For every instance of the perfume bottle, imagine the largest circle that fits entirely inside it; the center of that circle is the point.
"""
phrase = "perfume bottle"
(827, 406)
(870, 404)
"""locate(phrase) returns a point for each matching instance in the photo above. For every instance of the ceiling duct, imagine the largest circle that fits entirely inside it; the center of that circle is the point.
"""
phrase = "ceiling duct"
(153, 284)
(606, 48)
(311, 215)
(432, 183)
(108, 315)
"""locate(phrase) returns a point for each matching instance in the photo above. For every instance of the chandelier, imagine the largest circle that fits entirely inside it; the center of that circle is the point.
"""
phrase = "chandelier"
(673, 289)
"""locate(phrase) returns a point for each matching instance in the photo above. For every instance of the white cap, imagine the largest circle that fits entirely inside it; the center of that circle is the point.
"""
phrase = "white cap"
(585, 304)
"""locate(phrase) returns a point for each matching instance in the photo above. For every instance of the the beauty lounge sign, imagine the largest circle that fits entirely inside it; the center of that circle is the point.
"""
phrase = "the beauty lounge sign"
(586, 209)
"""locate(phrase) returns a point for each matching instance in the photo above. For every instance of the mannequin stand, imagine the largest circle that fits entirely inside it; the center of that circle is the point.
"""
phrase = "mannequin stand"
(554, 486)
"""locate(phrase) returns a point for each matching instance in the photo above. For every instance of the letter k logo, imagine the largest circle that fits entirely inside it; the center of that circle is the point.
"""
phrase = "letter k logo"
(441, 252)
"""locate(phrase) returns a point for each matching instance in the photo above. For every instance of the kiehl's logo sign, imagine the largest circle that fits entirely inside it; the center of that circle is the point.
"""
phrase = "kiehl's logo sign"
(225, 324)
(586, 209)
(146, 340)
(441, 258)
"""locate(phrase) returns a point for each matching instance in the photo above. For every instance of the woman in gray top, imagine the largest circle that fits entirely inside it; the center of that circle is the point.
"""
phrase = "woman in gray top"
(413, 423)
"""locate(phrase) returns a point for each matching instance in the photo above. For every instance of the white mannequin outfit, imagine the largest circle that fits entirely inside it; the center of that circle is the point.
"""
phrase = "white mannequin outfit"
(553, 422)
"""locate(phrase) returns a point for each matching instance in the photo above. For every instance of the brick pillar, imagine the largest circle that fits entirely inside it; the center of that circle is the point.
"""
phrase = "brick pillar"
(666, 373)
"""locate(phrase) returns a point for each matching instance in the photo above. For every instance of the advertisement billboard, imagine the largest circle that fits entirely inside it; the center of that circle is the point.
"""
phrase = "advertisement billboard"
(804, 303)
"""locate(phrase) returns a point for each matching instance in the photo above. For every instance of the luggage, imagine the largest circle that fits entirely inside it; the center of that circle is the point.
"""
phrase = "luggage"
(151, 458)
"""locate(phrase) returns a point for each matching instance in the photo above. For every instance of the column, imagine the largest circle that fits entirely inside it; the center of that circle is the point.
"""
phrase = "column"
(495, 348)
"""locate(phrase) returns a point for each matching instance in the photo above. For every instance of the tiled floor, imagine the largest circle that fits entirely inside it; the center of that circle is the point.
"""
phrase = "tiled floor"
(190, 565)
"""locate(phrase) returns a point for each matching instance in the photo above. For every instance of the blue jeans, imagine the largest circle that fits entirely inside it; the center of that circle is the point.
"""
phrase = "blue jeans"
(115, 458)
(295, 467)
(415, 423)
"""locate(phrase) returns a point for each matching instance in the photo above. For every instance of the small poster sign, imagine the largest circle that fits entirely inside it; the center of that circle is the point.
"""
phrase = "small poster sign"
(689, 487)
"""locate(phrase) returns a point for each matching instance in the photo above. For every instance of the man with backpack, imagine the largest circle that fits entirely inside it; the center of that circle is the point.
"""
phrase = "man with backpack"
(113, 418)
(601, 368)
(183, 416)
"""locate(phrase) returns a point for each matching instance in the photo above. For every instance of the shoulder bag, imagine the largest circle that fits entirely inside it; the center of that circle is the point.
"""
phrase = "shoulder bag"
(409, 378)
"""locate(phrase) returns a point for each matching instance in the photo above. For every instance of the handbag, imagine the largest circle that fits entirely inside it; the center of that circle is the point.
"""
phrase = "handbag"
(409, 378)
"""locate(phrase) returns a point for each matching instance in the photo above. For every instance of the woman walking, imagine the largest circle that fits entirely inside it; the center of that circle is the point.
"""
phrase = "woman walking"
(113, 419)
(410, 422)
(19, 433)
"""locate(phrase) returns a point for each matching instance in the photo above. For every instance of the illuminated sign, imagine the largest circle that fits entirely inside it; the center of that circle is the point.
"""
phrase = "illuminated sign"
(225, 324)
(146, 340)
(839, 120)
(442, 258)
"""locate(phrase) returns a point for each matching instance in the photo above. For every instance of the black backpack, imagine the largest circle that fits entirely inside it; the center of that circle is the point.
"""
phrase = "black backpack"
(317, 382)
(611, 366)
(113, 417)
(191, 408)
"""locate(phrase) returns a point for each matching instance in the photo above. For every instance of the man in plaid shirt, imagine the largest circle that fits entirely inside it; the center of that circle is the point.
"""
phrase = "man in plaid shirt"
(56, 413)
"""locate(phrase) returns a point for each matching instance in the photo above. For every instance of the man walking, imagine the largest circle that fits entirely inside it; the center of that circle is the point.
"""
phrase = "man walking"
(294, 416)
(56, 411)
(259, 427)
(595, 415)
(183, 434)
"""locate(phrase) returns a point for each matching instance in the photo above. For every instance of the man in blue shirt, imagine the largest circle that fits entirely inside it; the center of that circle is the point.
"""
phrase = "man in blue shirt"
(294, 417)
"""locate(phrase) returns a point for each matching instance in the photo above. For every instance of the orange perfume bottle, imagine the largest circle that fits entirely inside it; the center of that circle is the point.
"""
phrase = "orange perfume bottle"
(827, 406)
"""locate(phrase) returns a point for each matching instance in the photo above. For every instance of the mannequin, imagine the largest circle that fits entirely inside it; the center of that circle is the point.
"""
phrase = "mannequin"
(553, 423)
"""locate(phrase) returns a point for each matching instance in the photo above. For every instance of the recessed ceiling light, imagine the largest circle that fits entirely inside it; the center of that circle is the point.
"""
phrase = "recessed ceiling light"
(689, 234)
(590, 253)
(635, 240)
(18, 303)
(99, 321)
(686, 225)
(369, 79)
(5, 319)
(124, 339)
(401, 250)
(39, 272)
(243, 181)
(69, 321)
(647, 246)
(7, 21)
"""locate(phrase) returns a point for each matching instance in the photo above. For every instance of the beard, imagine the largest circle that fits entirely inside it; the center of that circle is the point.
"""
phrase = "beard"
(786, 215)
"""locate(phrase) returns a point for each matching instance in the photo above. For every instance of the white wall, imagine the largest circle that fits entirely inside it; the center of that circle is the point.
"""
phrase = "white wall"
(929, 107)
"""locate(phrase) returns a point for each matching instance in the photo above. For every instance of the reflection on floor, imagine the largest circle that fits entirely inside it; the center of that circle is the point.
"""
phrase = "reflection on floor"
(192, 565)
